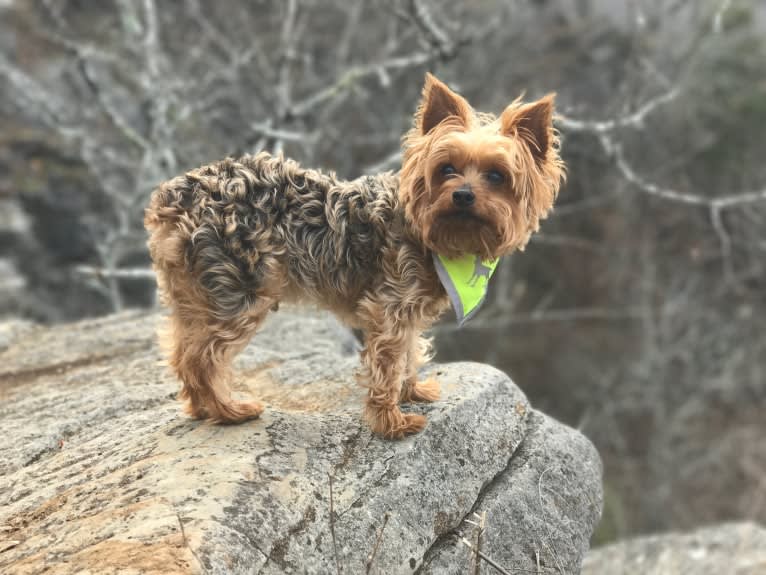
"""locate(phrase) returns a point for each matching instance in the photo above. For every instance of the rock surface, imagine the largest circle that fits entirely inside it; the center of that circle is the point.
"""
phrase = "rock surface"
(733, 549)
(100, 471)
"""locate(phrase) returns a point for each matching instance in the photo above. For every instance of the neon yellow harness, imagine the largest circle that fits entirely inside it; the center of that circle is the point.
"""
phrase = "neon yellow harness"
(466, 279)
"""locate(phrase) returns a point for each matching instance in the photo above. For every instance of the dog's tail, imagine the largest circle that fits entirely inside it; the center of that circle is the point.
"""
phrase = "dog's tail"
(169, 223)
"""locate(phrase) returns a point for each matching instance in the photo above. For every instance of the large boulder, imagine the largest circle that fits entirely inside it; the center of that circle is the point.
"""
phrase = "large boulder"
(734, 548)
(100, 472)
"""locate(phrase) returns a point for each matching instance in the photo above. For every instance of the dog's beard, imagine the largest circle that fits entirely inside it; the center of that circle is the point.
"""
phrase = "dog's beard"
(453, 234)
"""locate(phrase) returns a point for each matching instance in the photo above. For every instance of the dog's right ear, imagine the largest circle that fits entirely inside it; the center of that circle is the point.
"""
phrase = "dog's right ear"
(439, 103)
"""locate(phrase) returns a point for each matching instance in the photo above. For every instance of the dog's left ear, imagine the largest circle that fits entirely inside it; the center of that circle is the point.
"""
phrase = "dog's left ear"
(532, 122)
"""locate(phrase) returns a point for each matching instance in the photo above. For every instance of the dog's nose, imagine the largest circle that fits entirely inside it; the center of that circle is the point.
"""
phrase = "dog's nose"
(463, 197)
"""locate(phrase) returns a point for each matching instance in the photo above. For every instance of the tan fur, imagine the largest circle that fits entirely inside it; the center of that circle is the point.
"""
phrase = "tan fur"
(232, 239)
(521, 144)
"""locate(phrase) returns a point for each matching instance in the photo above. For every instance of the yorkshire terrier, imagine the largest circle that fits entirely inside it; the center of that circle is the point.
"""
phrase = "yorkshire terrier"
(231, 240)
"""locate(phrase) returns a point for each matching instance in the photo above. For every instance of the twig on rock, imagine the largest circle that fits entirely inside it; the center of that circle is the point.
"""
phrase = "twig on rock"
(332, 529)
(186, 542)
(479, 524)
(486, 558)
(543, 512)
(371, 558)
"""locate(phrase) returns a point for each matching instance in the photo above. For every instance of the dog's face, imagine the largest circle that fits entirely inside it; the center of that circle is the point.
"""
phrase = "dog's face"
(475, 184)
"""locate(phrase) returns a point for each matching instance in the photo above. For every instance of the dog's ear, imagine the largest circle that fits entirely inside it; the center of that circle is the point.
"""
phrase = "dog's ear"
(439, 103)
(532, 122)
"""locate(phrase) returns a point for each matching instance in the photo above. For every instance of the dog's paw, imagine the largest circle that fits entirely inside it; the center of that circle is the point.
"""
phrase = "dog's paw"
(391, 423)
(413, 423)
(232, 412)
(239, 411)
(194, 411)
(427, 391)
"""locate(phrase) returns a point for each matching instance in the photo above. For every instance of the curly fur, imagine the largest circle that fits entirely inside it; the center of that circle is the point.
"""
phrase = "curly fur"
(521, 144)
(232, 239)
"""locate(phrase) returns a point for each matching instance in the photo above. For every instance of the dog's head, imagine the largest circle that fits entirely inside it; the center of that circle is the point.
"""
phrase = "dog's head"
(475, 184)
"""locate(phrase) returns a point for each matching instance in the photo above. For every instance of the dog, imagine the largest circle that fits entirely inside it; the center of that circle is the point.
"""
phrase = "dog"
(231, 240)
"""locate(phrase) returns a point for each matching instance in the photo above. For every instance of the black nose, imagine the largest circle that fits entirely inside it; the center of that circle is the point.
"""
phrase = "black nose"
(463, 198)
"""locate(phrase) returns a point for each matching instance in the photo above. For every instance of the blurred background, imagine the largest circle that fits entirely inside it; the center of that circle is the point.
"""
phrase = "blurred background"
(635, 315)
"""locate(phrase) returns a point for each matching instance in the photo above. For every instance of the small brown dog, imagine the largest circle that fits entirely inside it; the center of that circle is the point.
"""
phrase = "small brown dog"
(232, 239)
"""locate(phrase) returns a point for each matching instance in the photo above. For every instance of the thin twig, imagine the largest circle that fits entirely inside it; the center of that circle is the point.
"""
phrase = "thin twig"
(35, 99)
(479, 541)
(127, 273)
(436, 37)
(284, 86)
(332, 529)
(543, 513)
(717, 25)
(187, 544)
(265, 129)
(724, 239)
(392, 161)
(553, 315)
(379, 538)
(350, 77)
(487, 559)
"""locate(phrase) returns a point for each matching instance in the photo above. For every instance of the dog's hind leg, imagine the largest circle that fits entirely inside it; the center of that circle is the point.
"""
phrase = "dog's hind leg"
(216, 307)
(201, 351)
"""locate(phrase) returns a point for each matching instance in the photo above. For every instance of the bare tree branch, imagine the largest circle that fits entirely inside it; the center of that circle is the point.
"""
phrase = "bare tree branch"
(390, 162)
(33, 96)
(720, 202)
(353, 75)
(635, 120)
(420, 13)
(124, 273)
(717, 25)
(553, 315)
(265, 129)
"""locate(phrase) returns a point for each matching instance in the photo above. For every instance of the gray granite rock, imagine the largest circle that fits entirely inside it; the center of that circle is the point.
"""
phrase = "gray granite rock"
(101, 472)
(730, 549)
(539, 516)
(12, 329)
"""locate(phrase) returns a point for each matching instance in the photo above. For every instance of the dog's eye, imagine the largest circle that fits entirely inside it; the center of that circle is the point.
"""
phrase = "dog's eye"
(494, 177)
(448, 170)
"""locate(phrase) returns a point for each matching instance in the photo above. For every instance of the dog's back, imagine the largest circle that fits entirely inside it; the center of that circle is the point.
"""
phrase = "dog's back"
(262, 227)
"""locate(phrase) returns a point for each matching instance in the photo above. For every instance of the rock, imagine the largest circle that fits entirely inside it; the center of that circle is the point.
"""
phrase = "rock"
(735, 548)
(537, 510)
(101, 472)
(11, 329)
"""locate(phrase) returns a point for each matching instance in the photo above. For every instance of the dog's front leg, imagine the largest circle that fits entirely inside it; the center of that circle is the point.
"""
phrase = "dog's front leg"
(412, 389)
(385, 358)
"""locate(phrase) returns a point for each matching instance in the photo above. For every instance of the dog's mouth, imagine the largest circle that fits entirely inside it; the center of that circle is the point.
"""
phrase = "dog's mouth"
(467, 216)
